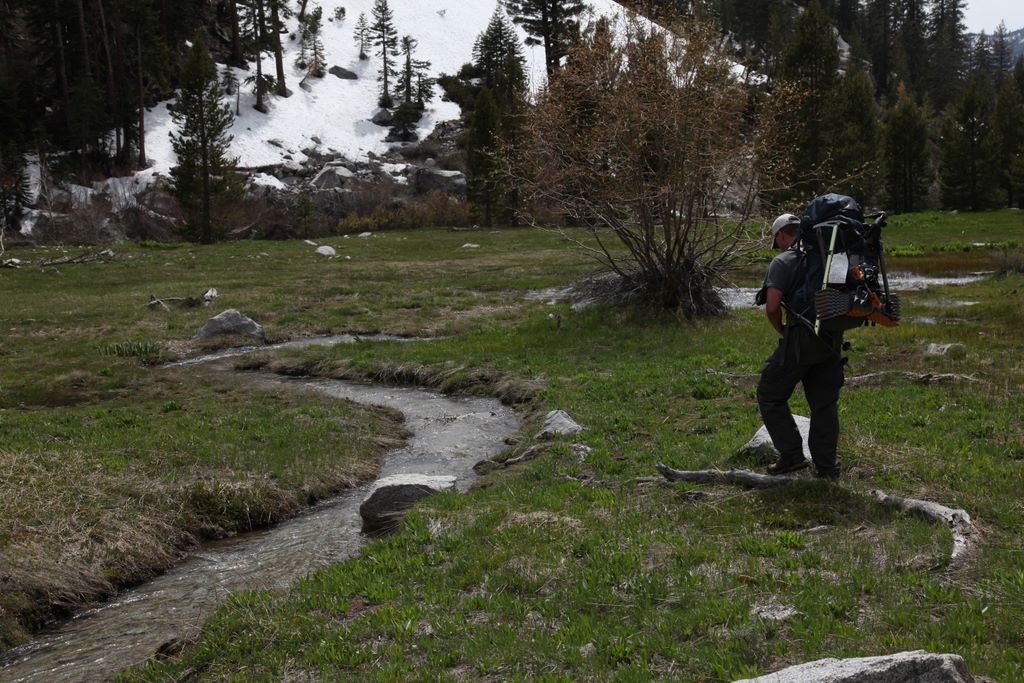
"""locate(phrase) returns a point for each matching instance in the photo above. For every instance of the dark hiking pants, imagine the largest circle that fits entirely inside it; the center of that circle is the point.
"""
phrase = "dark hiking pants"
(817, 363)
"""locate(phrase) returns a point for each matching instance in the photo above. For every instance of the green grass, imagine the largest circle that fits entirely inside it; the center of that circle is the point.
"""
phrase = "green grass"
(563, 568)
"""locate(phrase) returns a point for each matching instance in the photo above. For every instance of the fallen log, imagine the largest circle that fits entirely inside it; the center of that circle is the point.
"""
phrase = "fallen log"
(753, 480)
(925, 378)
(87, 257)
(959, 522)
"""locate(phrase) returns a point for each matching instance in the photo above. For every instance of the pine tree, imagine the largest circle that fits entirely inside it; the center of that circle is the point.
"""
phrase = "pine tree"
(229, 83)
(906, 162)
(498, 55)
(810, 63)
(362, 36)
(481, 145)
(910, 50)
(856, 135)
(968, 153)
(403, 122)
(551, 23)
(384, 37)
(311, 47)
(202, 141)
(1009, 128)
(1002, 55)
(947, 50)
(405, 88)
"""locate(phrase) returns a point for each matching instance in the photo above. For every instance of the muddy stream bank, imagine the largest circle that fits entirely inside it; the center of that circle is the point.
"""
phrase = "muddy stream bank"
(449, 436)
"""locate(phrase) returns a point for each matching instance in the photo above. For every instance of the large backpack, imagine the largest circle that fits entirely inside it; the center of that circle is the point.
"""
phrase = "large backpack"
(843, 283)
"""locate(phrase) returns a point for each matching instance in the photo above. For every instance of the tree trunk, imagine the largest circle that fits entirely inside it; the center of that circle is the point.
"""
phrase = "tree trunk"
(258, 29)
(62, 68)
(236, 39)
(142, 101)
(111, 87)
(84, 38)
(302, 9)
(275, 20)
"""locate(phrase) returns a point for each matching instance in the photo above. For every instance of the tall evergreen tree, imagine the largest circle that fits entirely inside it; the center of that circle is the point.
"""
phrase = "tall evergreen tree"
(498, 55)
(412, 75)
(384, 37)
(481, 146)
(810, 63)
(1009, 128)
(1002, 54)
(881, 27)
(968, 153)
(551, 23)
(202, 141)
(947, 50)
(906, 162)
(855, 137)
(911, 54)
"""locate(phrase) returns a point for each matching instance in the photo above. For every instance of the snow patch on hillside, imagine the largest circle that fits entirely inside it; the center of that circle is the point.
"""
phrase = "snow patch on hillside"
(336, 111)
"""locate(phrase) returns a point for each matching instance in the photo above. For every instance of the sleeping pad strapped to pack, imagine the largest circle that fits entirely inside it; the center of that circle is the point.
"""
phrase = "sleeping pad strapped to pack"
(844, 283)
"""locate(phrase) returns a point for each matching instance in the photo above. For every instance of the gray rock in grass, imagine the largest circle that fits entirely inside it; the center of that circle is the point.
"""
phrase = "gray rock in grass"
(951, 350)
(904, 667)
(231, 322)
(762, 444)
(558, 423)
(392, 496)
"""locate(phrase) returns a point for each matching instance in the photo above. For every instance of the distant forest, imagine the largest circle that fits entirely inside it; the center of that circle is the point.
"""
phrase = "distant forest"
(898, 104)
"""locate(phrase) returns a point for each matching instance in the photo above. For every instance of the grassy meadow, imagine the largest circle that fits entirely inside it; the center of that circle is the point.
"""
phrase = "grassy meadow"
(563, 567)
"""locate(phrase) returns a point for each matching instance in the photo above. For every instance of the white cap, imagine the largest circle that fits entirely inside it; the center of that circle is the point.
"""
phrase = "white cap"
(783, 221)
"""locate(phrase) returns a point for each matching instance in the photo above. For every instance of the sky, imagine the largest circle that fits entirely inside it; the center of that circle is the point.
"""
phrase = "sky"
(985, 15)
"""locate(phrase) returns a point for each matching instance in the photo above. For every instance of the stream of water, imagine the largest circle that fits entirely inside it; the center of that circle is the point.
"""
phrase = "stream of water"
(449, 436)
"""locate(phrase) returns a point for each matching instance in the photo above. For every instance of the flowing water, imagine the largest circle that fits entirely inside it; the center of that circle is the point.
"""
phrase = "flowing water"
(449, 436)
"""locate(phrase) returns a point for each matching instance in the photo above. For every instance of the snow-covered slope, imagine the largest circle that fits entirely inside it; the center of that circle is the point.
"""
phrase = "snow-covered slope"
(336, 112)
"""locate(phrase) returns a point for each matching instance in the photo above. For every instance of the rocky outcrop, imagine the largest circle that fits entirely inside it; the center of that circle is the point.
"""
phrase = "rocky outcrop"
(231, 322)
(426, 179)
(392, 496)
(332, 176)
(904, 667)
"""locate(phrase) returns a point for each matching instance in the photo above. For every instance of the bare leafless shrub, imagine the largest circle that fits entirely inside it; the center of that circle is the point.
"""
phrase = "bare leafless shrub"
(644, 139)
(1009, 262)
(434, 209)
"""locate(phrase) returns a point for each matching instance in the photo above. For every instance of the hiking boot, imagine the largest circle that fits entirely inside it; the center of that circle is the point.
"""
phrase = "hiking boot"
(782, 466)
(830, 473)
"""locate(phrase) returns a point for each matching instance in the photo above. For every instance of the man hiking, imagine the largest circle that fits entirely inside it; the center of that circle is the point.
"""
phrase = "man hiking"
(801, 357)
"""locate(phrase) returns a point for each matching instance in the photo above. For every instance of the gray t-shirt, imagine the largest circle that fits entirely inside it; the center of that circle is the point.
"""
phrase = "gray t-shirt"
(784, 273)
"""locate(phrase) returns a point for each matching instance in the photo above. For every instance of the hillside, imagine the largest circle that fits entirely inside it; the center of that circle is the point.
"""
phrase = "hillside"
(334, 114)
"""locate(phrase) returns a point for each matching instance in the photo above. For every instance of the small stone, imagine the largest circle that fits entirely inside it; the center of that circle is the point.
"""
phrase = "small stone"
(326, 251)
(231, 321)
(558, 423)
(364, 234)
(761, 443)
(588, 651)
(951, 350)
(773, 612)
(470, 245)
